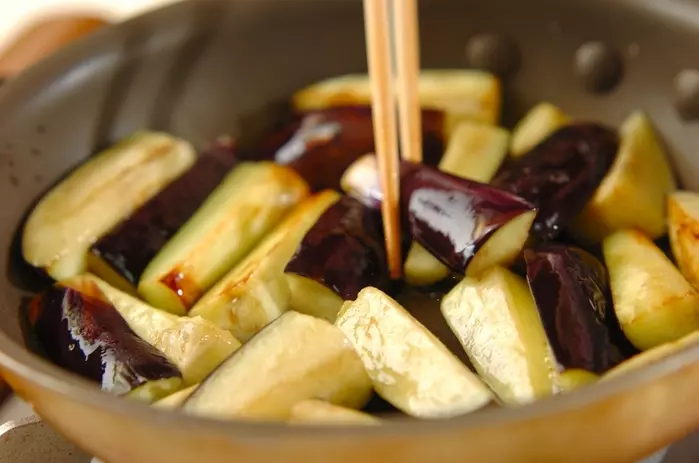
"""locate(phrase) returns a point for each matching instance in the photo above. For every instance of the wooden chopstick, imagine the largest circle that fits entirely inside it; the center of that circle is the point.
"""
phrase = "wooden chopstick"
(384, 120)
(407, 46)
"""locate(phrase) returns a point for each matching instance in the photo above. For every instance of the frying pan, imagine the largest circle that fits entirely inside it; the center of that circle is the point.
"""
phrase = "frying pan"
(204, 68)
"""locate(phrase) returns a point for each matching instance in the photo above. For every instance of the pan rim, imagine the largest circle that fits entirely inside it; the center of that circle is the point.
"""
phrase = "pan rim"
(15, 358)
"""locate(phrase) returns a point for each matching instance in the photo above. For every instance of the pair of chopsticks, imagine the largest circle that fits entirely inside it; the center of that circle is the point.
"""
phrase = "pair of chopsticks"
(385, 98)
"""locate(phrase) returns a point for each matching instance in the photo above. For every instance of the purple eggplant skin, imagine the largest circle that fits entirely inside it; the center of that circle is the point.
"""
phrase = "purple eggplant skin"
(561, 174)
(131, 245)
(571, 291)
(453, 217)
(81, 332)
(321, 144)
(344, 250)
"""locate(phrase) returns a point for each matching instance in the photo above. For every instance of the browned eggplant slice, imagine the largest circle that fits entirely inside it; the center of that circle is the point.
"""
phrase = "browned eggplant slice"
(85, 334)
(571, 291)
(560, 174)
(121, 256)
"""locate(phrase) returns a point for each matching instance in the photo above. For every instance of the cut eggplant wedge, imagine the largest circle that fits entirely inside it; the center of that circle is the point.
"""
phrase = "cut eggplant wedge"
(295, 358)
(653, 301)
(249, 203)
(461, 94)
(655, 355)
(312, 298)
(574, 378)
(497, 323)
(97, 196)
(561, 174)
(683, 228)
(319, 412)
(408, 366)
(633, 193)
(85, 334)
(256, 291)
(540, 122)
(571, 291)
(121, 256)
(475, 152)
(344, 250)
(175, 401)
(196, 346)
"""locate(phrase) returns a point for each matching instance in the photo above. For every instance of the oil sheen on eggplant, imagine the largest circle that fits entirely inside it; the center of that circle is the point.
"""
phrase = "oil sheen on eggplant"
(130, 246)
(321, 144)
(344, 250)
(560, 174)
(571, 291)
(84, 334)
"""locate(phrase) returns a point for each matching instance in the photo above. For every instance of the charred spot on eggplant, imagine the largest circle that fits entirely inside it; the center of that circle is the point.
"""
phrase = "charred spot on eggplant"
(560, 174)
(83, 333)
(125, 252)
(344, 250)
(321, 144)
(571, 291)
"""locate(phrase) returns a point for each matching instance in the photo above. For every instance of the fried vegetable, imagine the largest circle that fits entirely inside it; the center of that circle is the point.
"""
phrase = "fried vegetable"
(121, 256)
(321, 144)
(652, 300)
(407, 364)
(683, 225)
(97, 196)
(294, 358)
(174, 401)
(475, 152)
(256, 292)
(320, 412)
(570, 289)
(249, 203)
(196, 346)
(573, 379)
(497, 323)
(465, 224)
(560, 175)
(344, 250)
(632, 195)
(461, 94)
(85, 334)
(537, 125)
(312, 298)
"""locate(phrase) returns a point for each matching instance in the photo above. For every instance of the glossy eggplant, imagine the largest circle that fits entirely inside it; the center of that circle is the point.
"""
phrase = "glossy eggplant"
(571, 291)
(121, 256)
(560, 174)
(321, 144)
(455, 219)
(344, 250)
(85, 334)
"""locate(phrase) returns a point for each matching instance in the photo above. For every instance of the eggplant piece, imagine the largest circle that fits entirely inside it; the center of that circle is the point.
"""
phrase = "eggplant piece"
(323, 413)
(121, 256)
(321, 144)
(84, 333)
(573, 379)
(97, 196)
(461, 94)
(256, 292)
(496, 320)
(467, 225)
(653, 302)
(196, 346)
(633, 193)
(475, 152)
(312, 298)
(683, 228)
(536, 126)
(571, 292)
(344, 251)
(654, 355)
(408, 366)
(174, 401)
(560, 175)
(250, 202)
(294, 358)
